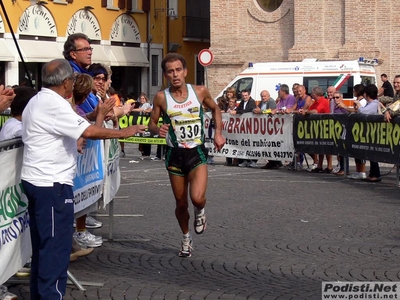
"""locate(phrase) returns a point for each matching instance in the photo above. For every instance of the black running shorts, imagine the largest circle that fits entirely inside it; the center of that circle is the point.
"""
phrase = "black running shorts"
(180, 161)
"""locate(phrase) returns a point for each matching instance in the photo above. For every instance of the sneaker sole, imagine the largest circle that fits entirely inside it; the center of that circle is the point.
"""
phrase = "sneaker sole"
(184, 255)
(94, 226)
(89, 226)
(89, 245)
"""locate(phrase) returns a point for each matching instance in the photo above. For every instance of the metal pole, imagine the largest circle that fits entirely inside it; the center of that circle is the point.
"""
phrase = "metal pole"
(206, 77)
(111, 220)
(149, 55)
(75, 281)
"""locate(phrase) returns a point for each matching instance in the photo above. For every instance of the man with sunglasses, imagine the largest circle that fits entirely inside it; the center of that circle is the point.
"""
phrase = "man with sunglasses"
(78, 52)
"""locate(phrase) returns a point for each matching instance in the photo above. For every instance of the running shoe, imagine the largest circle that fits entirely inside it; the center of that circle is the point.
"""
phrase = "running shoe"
(252, 164)
(358, 175)
(336, 169)
(186, 248)
(200, 222)
(8, 296)
(86, 239)
(291, 166)
(23, 272)
(312, 167)
(244, 164)
(92, 222)
(5, 294)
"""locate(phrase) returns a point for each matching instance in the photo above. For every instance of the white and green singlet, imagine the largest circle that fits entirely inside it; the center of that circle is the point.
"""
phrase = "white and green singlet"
(186, 119)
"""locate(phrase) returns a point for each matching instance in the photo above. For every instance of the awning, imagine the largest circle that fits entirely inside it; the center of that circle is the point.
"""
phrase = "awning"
(39, 51)
(128, 56)
(5, 53)
(99, 56)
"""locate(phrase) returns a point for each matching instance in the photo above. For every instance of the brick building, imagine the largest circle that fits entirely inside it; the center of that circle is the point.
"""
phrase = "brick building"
(291, 30)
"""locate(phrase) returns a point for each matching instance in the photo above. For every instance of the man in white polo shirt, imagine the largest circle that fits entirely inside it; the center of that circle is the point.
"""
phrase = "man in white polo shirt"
(50, 130)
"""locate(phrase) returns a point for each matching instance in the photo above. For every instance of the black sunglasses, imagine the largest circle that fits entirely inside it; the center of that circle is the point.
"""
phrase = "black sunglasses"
(86, 49)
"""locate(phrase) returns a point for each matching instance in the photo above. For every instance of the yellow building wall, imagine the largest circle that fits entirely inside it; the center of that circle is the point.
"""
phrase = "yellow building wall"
(62, 14)
(162, 29)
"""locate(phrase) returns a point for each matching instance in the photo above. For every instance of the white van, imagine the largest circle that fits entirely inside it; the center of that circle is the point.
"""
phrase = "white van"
(310, 73)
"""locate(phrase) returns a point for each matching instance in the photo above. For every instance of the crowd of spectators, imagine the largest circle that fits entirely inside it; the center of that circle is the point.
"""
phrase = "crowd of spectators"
(366, 101)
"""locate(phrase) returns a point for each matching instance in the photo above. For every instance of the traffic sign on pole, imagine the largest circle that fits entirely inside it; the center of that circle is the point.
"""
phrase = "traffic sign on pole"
(205, 57)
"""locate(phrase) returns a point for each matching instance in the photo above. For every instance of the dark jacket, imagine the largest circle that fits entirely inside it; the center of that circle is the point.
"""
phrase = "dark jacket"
(251, 104)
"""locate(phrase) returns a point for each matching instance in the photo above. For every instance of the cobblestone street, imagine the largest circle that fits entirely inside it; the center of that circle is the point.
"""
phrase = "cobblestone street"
(272, 234)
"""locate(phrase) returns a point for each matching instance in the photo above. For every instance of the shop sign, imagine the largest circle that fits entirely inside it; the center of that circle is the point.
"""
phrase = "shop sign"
(84, 21)
(37, 21)
(125, 29)
(1, 25)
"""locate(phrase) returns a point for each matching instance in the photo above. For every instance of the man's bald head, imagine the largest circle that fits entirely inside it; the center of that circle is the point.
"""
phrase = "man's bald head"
(265, 95)
(55, 72)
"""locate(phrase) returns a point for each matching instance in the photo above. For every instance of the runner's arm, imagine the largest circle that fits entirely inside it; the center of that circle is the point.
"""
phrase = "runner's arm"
(159, 105)
(219, 140)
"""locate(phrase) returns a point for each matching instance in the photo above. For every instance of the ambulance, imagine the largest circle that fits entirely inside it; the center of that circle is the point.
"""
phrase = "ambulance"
(310, 72)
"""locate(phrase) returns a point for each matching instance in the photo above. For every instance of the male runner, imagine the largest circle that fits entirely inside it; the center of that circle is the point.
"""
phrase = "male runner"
(186, 156)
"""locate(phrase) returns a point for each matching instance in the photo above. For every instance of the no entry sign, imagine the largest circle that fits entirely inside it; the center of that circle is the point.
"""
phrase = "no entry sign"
(205, 57)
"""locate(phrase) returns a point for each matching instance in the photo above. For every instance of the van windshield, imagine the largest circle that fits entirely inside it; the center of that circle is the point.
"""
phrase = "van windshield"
(365, 80)
(242, 84)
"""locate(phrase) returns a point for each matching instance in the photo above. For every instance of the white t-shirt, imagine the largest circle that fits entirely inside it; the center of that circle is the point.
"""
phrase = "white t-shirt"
(145, 106)
(11, 129)
(50, 130)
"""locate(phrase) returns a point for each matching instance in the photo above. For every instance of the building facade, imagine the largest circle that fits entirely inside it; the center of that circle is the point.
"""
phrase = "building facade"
(131, 36)
(292, 30)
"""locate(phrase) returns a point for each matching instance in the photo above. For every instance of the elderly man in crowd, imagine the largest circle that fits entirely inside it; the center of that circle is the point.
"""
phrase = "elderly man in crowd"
(266, 105)
(49, 160)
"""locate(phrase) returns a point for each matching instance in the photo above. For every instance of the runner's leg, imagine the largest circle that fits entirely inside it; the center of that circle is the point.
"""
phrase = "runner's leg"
(198, 179)
(179, 186)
